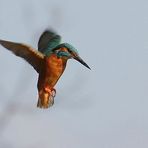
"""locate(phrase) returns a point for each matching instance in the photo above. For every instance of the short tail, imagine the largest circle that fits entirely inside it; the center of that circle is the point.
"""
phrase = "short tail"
(46, 99)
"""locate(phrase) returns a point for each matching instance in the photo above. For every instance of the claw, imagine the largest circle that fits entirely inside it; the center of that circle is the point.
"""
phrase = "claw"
(53, 92)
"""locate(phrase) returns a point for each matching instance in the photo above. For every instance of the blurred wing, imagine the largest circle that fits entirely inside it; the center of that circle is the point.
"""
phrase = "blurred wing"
(48, 41)
(33, 57)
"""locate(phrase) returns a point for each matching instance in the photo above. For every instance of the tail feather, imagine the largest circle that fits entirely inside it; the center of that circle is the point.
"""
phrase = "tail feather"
(45, 99)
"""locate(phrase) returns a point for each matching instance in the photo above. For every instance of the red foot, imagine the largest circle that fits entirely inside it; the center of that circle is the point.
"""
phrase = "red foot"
(51, 91)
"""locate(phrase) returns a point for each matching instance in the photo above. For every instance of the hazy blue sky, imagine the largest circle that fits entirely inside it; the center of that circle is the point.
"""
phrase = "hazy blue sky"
(105, 107)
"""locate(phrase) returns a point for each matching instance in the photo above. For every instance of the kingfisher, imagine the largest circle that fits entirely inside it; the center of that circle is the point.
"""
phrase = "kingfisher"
(49, 61)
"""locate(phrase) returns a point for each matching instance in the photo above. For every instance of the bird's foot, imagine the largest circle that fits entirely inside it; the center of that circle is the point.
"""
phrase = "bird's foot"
(52, 91)
(46, 98)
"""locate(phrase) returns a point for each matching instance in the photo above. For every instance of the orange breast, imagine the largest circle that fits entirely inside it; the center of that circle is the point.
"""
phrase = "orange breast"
(54, 69)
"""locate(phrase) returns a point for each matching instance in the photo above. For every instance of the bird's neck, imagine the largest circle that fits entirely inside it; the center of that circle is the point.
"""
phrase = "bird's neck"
(56, 61)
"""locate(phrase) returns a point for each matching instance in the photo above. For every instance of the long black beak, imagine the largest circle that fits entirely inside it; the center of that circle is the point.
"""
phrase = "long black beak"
(81, 61)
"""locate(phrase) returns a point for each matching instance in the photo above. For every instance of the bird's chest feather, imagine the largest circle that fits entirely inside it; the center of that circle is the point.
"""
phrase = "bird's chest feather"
(54, 69)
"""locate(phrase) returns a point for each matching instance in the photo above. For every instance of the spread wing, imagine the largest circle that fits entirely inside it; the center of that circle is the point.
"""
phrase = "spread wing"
(33, 57)
(48, 41)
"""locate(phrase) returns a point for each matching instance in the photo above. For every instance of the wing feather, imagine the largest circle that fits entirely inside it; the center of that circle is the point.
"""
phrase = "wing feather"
(48, 41)
(32, 56)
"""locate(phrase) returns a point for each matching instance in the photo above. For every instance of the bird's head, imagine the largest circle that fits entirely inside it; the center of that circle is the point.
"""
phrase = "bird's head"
(67, 51)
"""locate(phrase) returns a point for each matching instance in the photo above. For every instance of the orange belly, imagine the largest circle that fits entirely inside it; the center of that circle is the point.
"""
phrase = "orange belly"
(52, 71)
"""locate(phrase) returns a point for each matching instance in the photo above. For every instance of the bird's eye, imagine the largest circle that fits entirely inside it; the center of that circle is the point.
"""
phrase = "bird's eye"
(69, 51)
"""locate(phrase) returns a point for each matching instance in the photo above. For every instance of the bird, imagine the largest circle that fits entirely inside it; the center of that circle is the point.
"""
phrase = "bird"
(49, 61)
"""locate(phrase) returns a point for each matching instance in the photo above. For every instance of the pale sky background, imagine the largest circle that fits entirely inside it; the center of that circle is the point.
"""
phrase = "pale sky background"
(106, 107)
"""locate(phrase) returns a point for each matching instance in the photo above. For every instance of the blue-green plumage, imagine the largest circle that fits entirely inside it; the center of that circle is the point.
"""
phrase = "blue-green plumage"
(68, 46)
(61, 54)
(50, 41)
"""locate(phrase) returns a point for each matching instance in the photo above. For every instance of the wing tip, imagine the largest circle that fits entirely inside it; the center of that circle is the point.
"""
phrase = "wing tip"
(50, 31)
